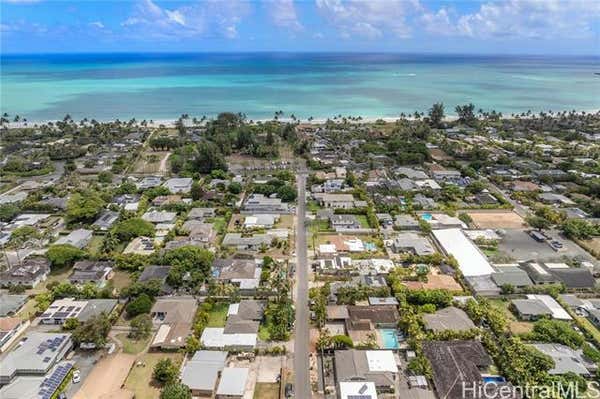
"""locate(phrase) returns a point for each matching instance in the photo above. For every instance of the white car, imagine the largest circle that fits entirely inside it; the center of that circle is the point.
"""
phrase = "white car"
(76, 376)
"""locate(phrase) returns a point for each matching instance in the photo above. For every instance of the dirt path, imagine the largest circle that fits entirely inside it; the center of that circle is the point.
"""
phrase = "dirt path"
(162, 169)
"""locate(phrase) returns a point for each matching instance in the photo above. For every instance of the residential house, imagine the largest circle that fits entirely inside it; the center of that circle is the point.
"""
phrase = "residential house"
(69, 308)
(11, 304)
(106, 220)
(378, 367)
(140, 246)
(412, 243)
(29, 273)
(566, 360)
(455, 365)
(159, 217)
(178, 185)
(241, 272)
(260, 221)
(344, 222)
(149, 182)
(450, 318)
(240, 242)
(337, 201)
(174, 318)
(89, 271)
(158, 273)
(233, 383)
(258, 203)
(10, 328)
(406, 222)
(202, 372)
(201, 213)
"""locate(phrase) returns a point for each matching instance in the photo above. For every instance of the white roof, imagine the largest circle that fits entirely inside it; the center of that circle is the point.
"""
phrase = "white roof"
(539, 269)
(353, 389)
(233, 381)
(233, 309)
(161, 334)
(558, 312)
(557, 265)
(470, 260)
(214, 337)
(327, 248)
(382, 361)
(355, 245)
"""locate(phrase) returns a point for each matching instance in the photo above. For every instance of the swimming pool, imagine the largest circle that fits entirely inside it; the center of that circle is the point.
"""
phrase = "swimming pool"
(427, 216)
(389, 337)
(493, 378)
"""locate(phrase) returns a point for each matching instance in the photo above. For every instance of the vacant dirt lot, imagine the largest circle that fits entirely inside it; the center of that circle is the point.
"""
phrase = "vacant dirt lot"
(107, 377)
(497, 220)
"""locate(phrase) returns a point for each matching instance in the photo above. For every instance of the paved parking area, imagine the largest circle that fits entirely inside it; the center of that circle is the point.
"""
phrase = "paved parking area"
(268, 368)
(84, 362)
(520, 246)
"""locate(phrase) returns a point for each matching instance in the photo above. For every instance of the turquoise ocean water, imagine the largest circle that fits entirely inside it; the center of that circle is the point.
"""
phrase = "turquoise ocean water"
(163, 86)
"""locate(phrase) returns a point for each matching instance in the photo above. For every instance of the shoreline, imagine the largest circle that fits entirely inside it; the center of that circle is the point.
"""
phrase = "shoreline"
(170, 123)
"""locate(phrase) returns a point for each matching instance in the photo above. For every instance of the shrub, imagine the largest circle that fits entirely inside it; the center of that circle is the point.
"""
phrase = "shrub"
(141, 304)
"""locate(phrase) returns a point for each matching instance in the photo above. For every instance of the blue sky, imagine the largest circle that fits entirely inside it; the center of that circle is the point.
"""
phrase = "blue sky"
(500, 27)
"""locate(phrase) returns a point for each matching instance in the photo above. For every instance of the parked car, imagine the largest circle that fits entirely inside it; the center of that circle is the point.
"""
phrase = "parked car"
(76, 376)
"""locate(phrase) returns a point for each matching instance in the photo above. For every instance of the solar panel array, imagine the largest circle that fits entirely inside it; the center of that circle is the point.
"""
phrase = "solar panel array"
(51, 344)
(53, 381)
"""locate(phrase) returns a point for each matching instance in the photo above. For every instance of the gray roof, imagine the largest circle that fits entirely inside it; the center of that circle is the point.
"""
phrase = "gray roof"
(233, 381)
(352, 365)
(450, 318)
(252, 309)
(106, 219)
(533, 307)
(202, 371)
(10, 304)
(566, 360)
(571, 300)
(96, 306)
(512, 275)
(36, 355)
(575, 277)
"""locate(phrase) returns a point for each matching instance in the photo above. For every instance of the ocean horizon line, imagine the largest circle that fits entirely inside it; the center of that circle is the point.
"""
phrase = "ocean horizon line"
(300, 52)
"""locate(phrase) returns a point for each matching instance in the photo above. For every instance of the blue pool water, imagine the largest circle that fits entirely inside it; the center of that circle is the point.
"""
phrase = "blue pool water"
(426, 216)
(389, 337)
(493, 378)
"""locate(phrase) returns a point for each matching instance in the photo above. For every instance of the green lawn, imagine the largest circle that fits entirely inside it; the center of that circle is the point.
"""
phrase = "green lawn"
(218, 315)
(140, 379)
(266, 390)
(95, 245)
(219, 223)
(263, 333)
(132, 346)
(515, 325)
(364, 222)
(589, 327)
(312, 206)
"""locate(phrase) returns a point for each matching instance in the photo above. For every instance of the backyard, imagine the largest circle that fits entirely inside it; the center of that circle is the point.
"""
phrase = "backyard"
(140, 377)
(516, 326)
(218, 315)
(132, 346)
(266, 390)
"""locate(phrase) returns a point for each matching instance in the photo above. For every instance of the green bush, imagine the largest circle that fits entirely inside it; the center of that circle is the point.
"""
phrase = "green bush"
(141, 304)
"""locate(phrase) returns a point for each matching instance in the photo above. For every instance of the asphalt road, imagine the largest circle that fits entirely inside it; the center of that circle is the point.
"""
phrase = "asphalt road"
(302, 388)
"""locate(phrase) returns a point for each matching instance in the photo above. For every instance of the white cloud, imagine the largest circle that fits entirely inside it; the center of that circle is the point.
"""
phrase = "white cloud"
(370, 19)
(283, 14)
(542, 19)
(97, 24)
(198, 18)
